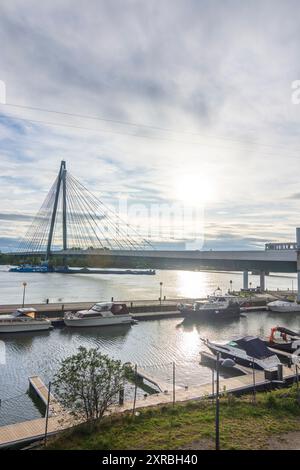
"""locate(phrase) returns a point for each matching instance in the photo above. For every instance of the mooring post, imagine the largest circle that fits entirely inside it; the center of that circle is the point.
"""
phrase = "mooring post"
(218, 403)
(173, 383)
(297, 380)
(47, 413)
(135, 389)
(254, 381)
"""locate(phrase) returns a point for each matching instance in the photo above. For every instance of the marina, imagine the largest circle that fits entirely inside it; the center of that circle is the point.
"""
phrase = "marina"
(161, 337)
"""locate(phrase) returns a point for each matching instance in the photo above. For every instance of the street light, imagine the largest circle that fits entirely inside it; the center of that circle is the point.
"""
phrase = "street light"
(24, 289)
(160, 291)
(225, 363)
(230, 285)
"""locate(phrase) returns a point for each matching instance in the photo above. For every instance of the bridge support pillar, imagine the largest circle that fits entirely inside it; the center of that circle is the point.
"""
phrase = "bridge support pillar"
(245, 280)
(298, 261)
(262, 282)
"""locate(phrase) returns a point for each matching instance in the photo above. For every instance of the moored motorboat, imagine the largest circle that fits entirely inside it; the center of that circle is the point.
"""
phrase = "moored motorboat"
(248, 351)
(22, 320)
(215, 307)
(283, 339)
(100, 314)
(283, 306)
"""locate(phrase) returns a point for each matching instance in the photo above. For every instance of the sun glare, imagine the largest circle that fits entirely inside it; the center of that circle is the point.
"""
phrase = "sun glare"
(195, 189)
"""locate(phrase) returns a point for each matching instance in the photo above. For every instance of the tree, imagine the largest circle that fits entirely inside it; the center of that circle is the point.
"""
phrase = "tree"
(88, 383)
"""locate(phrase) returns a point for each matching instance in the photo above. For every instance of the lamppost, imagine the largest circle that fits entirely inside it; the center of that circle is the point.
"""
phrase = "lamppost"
(230, 285)
(225, 363)
(160, 291)
(24, 290)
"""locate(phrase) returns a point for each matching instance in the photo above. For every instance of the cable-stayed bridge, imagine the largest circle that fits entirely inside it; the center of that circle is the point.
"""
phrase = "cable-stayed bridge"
(73, 222)
(72, 219)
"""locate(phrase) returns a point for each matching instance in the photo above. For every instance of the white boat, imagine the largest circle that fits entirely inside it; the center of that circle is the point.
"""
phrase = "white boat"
(216, 306)
(22, 320)
(283, 306)
(100, 314)
(249, 351)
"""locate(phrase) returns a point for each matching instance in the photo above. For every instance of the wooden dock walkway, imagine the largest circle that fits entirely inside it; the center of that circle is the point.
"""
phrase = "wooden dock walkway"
(42, 391)
(27, 431)
(162, 386)
(32, 430)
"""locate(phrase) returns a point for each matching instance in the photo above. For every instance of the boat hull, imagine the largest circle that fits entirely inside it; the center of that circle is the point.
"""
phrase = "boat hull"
(101, 321)
(239, 360)
(22, 327)
(285, 347)
(210, 314)
(289, 309)
(243, 360)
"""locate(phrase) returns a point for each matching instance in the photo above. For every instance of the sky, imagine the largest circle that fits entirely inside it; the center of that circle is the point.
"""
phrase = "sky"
(173, 105)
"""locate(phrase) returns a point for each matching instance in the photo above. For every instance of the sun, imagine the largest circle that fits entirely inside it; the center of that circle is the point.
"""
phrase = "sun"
(195, 189)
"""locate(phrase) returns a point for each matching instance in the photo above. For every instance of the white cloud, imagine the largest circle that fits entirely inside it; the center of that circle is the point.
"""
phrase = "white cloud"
(218, 73)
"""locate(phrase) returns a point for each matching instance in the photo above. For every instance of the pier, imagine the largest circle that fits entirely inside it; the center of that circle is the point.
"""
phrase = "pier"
(29, 431)
(142, 309)
(42, 392)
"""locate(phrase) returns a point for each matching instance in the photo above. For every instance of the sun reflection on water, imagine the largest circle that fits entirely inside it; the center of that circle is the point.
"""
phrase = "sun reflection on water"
(192, 284)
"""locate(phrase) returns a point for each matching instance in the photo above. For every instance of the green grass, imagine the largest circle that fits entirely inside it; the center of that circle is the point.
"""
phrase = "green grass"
(244, 425)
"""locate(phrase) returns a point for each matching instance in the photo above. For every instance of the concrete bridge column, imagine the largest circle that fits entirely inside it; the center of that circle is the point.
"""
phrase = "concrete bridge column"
(298, 260)
(245, 280)
(262, 281)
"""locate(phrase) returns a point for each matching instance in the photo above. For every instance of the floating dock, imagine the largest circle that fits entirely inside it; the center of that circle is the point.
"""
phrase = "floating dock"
(135, 306)
(42, 392)
(162, 386)
(140, 309)
(29, 431)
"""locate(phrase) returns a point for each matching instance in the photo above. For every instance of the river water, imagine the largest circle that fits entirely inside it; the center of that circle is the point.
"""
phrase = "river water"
(152, 344)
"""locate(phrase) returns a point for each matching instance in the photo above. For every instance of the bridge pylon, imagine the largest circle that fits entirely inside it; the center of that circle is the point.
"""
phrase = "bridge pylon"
(61, 185)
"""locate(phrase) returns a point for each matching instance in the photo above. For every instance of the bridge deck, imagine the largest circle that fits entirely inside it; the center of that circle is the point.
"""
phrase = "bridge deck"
(267, 261)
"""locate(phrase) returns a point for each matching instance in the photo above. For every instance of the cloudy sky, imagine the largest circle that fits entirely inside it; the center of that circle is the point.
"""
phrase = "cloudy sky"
(157, 102)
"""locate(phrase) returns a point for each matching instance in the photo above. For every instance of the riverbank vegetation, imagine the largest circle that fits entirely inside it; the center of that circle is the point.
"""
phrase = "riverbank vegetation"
(191, 425)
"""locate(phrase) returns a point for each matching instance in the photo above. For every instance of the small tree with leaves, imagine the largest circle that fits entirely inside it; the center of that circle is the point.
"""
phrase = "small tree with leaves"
(88, 383)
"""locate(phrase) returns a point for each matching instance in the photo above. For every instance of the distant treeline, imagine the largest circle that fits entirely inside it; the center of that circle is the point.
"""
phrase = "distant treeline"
(84, 261)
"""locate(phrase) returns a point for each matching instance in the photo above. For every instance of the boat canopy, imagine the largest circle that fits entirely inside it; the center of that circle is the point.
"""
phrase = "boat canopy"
(253, 346)
(28, 312)
(114, 307)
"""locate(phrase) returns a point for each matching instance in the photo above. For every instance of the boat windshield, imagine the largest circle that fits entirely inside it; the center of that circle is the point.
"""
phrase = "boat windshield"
(101, 307)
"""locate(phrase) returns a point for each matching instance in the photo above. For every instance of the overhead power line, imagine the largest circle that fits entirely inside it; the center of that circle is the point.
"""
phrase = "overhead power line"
(131, 124)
